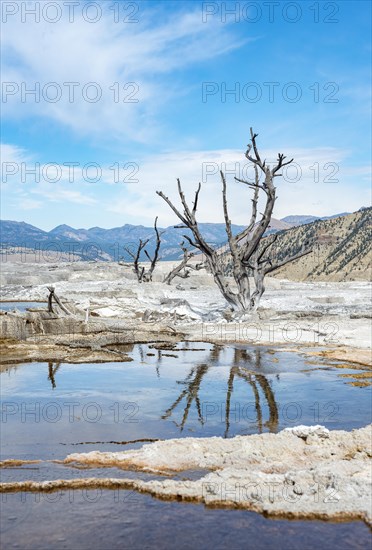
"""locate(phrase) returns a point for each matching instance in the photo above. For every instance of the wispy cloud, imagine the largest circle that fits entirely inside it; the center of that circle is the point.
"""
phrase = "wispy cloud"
(23, 176)
(321, 181)
(29, 204)
(145, 54)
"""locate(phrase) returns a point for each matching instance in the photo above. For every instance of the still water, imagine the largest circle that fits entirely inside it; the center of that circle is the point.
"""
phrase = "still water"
(21, 306)
(195, 389)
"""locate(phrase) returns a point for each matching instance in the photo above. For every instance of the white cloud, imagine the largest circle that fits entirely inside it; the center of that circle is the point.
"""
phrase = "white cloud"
(59, 194)
(29, 204)
(320, 182)
(13, 153)
(305, 188)
(22, 175)
(145, 53)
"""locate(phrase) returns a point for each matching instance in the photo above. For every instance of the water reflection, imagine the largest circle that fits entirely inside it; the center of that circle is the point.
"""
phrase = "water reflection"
(245, 366)
(178, 390)
(51, 373)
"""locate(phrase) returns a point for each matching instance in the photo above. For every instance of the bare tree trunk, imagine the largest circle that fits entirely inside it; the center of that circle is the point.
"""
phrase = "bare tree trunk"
(148, 274)
(50, 299)
(262, 265)
(57, 300)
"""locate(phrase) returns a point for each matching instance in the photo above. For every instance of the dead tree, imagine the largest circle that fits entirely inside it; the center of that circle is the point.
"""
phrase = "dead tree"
(138, 270)
(53, 295)
(243, 247)
(144, 275)
(183, 268)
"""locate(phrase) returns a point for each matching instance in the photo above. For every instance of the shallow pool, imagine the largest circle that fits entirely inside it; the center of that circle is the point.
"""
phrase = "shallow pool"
(192, 389)
(21, 306)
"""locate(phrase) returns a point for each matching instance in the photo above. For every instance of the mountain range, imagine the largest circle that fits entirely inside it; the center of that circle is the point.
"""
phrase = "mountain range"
(102, 244)
(97, 243)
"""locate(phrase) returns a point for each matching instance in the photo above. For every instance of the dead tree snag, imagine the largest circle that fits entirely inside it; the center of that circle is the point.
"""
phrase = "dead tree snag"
(243, 248)
(145, 275)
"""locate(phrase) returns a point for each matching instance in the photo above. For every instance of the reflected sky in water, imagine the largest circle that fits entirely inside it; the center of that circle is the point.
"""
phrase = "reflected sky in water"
(195, 389)
(21, 306)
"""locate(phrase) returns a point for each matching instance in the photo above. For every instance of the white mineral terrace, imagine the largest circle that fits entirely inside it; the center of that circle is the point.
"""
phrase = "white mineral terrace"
(301, 472)
(322, 313)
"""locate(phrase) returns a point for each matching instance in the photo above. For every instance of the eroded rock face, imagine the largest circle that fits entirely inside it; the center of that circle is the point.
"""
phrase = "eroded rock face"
(302, 472)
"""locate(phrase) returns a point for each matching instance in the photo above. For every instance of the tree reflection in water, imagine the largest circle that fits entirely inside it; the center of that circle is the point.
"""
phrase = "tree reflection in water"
(239, 370)
(51, 373)
(245, 366)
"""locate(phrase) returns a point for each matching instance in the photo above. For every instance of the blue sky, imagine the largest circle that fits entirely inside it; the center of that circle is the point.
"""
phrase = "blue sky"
(301, 75)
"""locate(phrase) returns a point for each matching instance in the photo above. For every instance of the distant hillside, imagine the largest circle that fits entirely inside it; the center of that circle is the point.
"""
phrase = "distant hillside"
(294, 221)
(342, 249)
(18, 237)
(299, 220)
(279, 225)
(341, 243)
(101, 244)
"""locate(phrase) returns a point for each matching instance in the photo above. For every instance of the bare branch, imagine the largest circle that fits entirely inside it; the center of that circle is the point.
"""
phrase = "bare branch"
(256, 159)
(53, 295)
(156, 253)
(176, 272)
(280, 164)
(267, 246)
(175, 210)
(129, 252)
(196, 200)
(300, 254)
(251, 184)
(231, 240)
(193, 243)
(252, 222)
(190, 217)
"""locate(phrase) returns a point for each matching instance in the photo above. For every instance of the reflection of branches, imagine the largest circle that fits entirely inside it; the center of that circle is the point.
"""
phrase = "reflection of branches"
(141, 352)
(191, 394)
(230, 386)
(272, 423)
(239, 370)
(169, 411)
(52, 372)
(215, 353)
(242, 355)
(257, 403)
